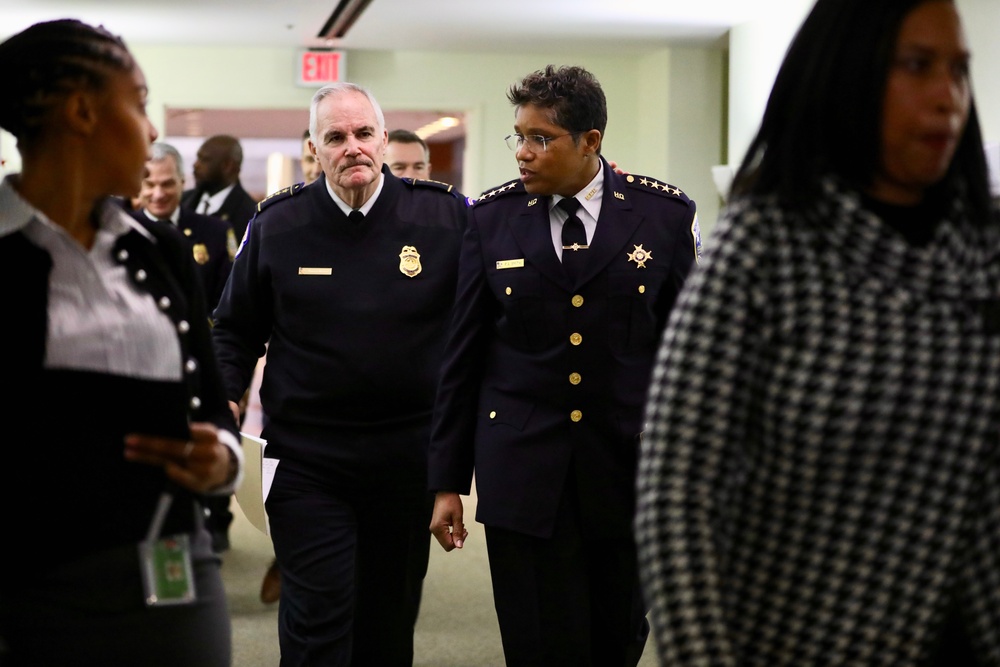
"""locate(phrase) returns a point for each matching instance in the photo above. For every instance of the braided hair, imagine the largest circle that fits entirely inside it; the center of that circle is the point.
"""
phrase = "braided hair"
(49, 59)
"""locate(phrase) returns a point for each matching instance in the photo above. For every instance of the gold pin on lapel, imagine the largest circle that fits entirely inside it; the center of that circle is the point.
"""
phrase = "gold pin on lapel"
(640, 256)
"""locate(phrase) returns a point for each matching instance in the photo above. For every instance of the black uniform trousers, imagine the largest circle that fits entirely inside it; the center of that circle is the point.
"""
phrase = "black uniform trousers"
(351, 539)
(568, 600)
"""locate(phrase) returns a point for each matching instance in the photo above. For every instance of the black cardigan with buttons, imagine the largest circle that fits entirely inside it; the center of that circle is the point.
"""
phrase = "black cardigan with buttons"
(66, 489)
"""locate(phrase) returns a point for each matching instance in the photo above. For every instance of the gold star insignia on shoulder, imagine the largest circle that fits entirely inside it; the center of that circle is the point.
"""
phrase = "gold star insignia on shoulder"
(493, 193)
(640, 256)
(654, 185)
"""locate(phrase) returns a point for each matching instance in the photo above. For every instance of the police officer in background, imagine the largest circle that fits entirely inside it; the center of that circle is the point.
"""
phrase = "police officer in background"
(349, 280)
(217, 188)
(311, 168)
(566, 280)
(213, 242)
(407, 155)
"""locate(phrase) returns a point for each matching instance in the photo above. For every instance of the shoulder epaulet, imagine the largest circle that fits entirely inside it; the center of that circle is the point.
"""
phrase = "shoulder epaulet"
(428, 183)
(437, 185)
(653, 185)
(278, 195)
(497, 192)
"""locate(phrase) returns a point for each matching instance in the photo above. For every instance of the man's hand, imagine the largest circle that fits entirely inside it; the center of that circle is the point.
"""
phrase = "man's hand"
(615, 168)
(237, 411)
(446, 523)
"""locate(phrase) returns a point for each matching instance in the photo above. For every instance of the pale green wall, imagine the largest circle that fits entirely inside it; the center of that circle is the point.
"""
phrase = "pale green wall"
(982, 25)
(639, 89)
(644, 94)
(666, 108)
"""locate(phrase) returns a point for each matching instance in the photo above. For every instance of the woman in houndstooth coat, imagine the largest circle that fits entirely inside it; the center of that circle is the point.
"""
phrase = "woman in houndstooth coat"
(819, 480)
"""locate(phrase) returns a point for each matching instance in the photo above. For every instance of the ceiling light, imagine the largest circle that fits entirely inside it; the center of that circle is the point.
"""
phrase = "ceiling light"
(343, 17)
(440, 125)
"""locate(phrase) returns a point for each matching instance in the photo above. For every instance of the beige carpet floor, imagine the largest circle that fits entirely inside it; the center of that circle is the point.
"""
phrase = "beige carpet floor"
(457, 625)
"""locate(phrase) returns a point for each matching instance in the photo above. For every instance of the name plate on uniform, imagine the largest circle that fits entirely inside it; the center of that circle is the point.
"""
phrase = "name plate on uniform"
(510, 264)
(315, 271)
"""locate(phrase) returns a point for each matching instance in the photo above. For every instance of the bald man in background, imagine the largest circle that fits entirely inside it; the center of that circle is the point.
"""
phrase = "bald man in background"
(218, 191)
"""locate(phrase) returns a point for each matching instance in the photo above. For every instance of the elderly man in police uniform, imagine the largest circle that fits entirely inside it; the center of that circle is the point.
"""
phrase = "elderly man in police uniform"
(349, 280)
(566, 279)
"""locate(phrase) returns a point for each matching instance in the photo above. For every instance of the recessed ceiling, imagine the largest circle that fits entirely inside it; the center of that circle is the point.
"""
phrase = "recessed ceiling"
(625, 26)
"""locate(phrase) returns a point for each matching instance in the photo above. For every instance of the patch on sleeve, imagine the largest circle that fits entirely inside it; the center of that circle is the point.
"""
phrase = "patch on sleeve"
(231, 246)
(696, 239)
(246, 235)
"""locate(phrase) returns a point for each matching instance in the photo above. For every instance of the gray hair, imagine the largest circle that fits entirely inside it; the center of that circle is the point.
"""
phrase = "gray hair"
(337, 89)
(161, 151)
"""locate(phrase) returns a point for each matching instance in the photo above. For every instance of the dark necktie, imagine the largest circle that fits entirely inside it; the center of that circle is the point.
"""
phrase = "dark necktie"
(574, 238)
(355, 217)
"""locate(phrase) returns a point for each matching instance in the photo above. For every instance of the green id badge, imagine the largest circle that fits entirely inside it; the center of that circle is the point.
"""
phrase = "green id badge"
(167, 575)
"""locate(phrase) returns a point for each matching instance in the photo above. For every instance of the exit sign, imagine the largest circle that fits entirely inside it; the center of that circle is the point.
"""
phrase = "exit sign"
(318, 68)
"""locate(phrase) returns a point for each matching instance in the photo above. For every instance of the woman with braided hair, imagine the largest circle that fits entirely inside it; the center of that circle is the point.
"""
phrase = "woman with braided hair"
(125, 425)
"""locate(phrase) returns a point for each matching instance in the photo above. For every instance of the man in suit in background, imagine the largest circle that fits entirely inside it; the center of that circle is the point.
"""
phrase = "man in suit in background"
(213, 241)
(408, 155)
(218, 191)
(545, 375)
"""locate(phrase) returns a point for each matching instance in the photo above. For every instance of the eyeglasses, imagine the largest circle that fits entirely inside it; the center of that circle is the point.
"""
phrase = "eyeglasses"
(536, 142)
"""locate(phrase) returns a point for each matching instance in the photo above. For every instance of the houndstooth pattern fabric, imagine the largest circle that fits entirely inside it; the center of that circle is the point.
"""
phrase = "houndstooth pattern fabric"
(818, 478)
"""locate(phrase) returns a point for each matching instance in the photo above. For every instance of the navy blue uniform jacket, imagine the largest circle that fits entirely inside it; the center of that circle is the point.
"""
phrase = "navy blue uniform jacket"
(544, 379)
(354, 317)
(237, 209)
(213, 244)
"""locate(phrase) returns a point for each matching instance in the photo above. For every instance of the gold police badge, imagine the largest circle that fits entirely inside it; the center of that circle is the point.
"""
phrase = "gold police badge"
(640, 256)
(409, 261)
(200, 253)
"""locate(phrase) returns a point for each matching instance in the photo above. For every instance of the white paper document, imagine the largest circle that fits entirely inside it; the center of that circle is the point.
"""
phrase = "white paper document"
(257, 478)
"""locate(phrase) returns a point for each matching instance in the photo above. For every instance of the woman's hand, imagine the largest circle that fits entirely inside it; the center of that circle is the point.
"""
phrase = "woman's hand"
(200, 464)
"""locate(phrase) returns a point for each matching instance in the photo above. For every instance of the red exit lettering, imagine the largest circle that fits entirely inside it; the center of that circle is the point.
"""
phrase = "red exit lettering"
(320, 67)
